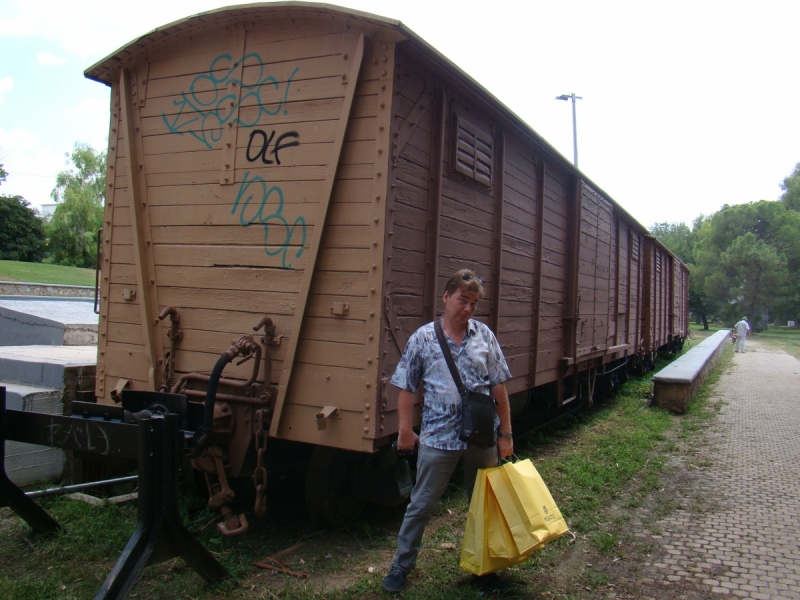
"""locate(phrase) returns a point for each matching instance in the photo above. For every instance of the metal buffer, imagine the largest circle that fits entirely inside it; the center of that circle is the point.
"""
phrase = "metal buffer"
(156, 440)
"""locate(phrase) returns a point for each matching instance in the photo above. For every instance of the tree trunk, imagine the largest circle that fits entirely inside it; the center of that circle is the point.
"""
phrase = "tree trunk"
(705, 322)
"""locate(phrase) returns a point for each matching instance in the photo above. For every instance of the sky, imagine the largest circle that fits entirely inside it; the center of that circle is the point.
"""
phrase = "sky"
(686, 105)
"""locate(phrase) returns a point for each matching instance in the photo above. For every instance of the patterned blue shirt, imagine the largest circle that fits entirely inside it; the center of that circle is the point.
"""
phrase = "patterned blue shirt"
(480, 363)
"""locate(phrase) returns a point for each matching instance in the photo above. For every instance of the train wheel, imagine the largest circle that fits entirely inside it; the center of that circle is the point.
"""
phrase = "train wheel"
(328, 496)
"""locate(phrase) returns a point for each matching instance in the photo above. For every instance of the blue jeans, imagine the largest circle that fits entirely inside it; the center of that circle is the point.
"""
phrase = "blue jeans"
(434, 469)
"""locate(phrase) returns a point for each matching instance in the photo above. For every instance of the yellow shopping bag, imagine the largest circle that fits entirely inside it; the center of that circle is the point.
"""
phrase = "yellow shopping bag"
(484, 520)
(530, 513)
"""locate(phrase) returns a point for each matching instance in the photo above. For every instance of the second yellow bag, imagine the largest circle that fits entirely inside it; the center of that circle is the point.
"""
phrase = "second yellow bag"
(530, 513)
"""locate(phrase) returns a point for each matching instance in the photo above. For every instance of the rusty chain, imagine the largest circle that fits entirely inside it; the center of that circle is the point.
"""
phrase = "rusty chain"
(260, 473)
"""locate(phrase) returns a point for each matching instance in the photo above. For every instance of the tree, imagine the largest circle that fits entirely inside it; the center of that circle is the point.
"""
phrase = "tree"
(791, 190)
(21, 233)
(677, 237)
(758, 274)
(72, 231)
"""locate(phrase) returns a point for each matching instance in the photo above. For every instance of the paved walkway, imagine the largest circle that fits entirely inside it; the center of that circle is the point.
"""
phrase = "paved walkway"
(737, 531)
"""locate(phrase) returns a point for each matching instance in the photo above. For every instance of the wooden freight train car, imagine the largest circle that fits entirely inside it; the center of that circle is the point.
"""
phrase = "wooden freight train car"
(321, 172)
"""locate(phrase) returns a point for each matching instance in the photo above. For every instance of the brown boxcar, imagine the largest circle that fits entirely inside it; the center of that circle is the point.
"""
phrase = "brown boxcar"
(323, 171)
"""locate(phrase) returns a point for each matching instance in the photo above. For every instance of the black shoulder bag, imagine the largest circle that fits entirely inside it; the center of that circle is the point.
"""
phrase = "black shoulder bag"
(477, 410)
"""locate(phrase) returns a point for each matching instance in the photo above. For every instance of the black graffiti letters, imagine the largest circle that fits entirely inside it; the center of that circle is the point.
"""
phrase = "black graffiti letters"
(265, 140)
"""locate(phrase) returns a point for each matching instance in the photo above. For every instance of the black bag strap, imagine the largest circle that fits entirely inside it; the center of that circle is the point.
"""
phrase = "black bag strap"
(448, 356)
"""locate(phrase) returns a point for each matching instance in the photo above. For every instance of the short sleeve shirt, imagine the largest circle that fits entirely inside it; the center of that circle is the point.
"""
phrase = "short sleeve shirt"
(742, 328)
(480, 363)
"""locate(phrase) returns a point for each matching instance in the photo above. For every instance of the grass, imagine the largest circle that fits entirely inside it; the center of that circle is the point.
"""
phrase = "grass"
(787, 340)
(599, 465)
(11, 270)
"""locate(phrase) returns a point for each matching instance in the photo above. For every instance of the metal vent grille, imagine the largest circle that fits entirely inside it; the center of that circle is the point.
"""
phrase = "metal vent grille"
(473, 151)
(658, 262)
(635, 247)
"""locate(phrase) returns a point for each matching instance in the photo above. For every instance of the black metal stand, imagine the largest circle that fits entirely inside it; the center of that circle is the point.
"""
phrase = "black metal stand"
(160, 533)
(10, 495)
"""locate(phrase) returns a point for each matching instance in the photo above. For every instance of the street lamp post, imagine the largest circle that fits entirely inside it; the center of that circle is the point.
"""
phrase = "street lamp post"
(573, 97)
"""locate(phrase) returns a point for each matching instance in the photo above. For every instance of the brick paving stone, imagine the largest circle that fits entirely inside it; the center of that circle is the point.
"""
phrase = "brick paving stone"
(739, 518)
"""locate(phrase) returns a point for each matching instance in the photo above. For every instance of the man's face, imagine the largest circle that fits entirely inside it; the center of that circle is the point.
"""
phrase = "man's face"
(460, 306)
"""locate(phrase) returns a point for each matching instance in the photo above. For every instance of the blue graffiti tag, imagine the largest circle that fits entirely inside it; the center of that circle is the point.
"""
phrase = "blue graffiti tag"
(269, 216)
(203, 111)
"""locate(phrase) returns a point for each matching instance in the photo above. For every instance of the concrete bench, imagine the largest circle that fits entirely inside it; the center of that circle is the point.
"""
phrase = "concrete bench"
(677, 383)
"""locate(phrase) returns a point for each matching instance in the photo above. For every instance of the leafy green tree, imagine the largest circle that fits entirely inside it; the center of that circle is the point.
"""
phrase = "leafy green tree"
(791, 190)
(21, 233)
(677, 237)
(758, 274)
(80, 194)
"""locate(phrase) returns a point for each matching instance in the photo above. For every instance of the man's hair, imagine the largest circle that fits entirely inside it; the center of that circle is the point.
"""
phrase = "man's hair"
(464, 280)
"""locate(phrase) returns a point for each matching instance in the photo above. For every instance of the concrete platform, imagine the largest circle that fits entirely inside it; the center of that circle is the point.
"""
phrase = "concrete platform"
(27, 463)
(68, 368)
(50, 321)
(676, 384)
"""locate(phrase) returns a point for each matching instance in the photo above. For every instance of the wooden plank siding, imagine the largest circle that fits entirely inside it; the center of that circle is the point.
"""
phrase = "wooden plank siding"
(210, 247)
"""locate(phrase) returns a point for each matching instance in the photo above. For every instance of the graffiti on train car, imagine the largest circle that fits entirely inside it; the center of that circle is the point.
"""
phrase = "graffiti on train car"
(88, 436)
(212, 99)
(269, 215)
(261, 151)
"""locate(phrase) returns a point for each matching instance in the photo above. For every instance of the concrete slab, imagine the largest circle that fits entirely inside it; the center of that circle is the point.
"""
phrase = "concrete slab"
(51, 321)
(676, 384)
(27, 463)
(71, 368)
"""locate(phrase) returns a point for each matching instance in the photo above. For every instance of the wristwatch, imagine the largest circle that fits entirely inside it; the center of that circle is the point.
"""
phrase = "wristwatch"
(505, 436)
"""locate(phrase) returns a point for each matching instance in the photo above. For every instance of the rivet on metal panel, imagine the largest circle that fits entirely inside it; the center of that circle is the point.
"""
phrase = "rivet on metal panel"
(230, 123)
(385, 59)
(144, 204)
(227, 165)
(226, 179)
(136, 128)
(370, 337)
(366, 429)
(383, 105)
(232, 103)
(380, 150)
(372, 290)
(378, 173)
(228, 144)
(141, 166)
(344, 77)
(327, 377)
(367, 406)
(383, 86)
(152, 281)
(391, 233)
(369, 361)
(377, 197)
(147, 242)
(374, 267)
(344, 56)
(374, 243)
(369, 385)
(106, 259)
(366, 417)
(110, 185)
(383, 72)
(372, 314)
(110, 166)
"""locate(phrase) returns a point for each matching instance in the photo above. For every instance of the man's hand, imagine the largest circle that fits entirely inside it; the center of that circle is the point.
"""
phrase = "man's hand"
(407, 441)
(505, 448)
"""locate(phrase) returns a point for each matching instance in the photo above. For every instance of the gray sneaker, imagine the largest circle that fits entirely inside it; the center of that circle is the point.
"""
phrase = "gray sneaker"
(394, 581)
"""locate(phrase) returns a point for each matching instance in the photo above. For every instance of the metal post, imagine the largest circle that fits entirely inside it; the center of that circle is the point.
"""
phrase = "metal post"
(573, 97)
(574, 133)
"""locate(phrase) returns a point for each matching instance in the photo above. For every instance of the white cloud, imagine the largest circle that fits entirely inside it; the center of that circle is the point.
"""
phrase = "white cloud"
(48, 59)
(6, 83)
(32, 165)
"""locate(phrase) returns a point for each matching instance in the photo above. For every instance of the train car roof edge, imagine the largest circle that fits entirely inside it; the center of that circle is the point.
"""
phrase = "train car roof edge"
(137, 46)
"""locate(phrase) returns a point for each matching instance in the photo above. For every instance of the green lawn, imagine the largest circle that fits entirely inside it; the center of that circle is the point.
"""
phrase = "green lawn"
(11, 270)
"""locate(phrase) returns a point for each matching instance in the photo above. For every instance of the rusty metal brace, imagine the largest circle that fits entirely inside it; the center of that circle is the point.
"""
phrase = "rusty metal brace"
(221, 494)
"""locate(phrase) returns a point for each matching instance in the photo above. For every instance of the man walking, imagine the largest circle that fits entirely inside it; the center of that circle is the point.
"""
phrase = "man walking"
(482, 368)
(742, 328)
